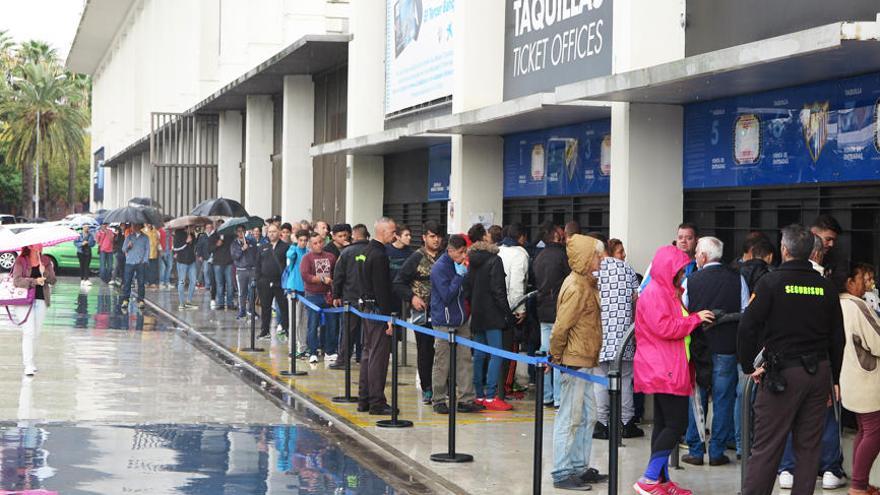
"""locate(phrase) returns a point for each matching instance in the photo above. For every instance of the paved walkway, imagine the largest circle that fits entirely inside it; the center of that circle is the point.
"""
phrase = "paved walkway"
(501, 442)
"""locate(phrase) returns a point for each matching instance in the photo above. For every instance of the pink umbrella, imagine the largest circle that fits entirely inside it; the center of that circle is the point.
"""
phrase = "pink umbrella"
(47, 236)
(29, 492)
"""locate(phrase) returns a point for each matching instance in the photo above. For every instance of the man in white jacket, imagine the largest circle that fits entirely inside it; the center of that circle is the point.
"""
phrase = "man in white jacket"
(515, 259)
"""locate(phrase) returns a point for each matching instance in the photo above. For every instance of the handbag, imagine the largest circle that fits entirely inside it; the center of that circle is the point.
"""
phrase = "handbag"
(10, 295)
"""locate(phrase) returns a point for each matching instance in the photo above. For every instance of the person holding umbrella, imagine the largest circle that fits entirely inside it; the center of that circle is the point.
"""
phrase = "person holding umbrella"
(244, 256)
(34, 270)
(137, 252)
(185, 254)
(84, 253)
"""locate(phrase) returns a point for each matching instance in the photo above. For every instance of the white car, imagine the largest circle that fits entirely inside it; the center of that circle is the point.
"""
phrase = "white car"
(8, 259)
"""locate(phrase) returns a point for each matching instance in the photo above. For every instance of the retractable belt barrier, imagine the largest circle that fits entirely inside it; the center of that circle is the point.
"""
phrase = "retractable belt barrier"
(612, 383)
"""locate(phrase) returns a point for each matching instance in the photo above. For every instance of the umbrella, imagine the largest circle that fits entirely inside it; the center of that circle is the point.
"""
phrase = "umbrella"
(47, 236)
(220, 207)
(187, 221)
(134, 214)
(247, 222)
(79, 221)
(144, 202)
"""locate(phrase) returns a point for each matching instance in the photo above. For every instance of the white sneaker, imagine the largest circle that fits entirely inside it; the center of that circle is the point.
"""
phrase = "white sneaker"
(830, 481)
(213, 304)
(331, 357)
(313, 358)
(30, 371)
(786, 480)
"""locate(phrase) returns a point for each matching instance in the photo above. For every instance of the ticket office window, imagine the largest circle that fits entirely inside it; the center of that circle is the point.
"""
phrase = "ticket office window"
(591, 212)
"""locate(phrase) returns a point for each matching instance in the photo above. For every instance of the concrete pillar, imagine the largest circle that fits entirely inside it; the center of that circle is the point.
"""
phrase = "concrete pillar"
(478, 75)
(129, 183)
(366, 68)
(475, 182)
(135, 177)
(364, 189)
(229, 155)
(646, 193)
(146, 183)
(258, 155)
(297, 134)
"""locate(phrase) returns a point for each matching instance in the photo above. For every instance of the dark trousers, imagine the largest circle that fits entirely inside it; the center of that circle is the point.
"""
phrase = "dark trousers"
(354, 343)
(425, 359)
(800, 409)
(132, 272)
(153, 271)
(670, 423)
(269, 293)
(374, 364)
(120, 265)
(85, 259)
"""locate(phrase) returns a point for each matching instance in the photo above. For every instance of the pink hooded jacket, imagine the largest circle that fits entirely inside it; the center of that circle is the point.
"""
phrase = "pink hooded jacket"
(661, 362)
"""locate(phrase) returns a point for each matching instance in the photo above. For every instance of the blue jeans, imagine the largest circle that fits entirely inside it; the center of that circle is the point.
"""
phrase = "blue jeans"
(223, 279)
(486, 382)
(573, 427)
(166, 262)
(725, 376)
(153, 271)
(832, 457)
(329, 335)
(185, 271)
(551, 394)
(106, 270)
(131, 272)
(208, 274)
(737, 408)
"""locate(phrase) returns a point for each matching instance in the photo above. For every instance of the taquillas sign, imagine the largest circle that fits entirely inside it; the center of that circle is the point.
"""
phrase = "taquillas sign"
(554, 42)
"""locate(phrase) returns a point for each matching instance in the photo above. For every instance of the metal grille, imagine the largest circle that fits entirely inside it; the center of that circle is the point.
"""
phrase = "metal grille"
(414, 215)
(183, 153)
(591, 212)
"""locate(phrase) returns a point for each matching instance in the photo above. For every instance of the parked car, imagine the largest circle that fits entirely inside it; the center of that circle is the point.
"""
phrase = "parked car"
(7, 219)
(62, 255)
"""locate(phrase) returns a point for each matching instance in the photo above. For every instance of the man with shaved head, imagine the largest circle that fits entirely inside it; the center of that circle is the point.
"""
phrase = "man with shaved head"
(375, 298)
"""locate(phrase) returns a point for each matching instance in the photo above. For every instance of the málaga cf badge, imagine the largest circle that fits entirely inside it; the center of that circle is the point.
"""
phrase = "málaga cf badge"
(814, 120)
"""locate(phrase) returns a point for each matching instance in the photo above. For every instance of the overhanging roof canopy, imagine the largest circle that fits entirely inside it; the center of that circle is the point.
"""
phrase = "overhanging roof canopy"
(394, 140)
(310, 54)
(826, 52)
(98, 25)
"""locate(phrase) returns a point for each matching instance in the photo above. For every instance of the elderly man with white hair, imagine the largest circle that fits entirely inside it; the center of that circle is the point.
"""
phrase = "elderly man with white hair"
(714, 287)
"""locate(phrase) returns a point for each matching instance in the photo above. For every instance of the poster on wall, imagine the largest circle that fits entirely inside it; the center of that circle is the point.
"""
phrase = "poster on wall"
(439, 168)
(822, 132)
(418, 52)
(548, 43)
(98, 176)
(562, 161)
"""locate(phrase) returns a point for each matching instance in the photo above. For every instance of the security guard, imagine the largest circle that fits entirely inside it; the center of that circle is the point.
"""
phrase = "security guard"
(376, 298)
(794, 324)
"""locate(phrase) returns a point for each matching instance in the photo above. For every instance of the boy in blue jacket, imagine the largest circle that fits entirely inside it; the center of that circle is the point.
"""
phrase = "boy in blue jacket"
(292, 281)
(449, 314)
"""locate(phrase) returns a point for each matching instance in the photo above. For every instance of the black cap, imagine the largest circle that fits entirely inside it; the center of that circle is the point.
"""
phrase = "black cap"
(274, 218)
(340, 227)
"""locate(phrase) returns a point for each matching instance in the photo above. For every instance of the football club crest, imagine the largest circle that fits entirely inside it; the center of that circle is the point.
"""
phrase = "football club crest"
(814, 120)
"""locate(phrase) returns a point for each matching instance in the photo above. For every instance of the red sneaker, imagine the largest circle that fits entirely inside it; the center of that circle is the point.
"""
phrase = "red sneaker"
(650, 488)
(673, 489)
(481, 401)
(497, 404)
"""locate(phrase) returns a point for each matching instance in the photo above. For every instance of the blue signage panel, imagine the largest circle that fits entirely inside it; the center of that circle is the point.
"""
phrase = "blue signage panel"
(439, 168)
(823, 132)
(562, 161)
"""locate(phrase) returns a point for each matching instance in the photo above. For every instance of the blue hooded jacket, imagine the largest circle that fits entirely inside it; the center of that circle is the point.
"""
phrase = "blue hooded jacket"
(447, 300)
(292, 278)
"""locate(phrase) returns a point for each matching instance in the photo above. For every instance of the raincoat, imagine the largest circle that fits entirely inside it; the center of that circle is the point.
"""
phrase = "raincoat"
(663, 328)
(292, 278)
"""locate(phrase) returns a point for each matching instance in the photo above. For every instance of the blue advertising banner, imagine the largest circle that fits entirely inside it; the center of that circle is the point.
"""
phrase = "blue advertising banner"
(562, 161)
(823, 132)
(439, 168)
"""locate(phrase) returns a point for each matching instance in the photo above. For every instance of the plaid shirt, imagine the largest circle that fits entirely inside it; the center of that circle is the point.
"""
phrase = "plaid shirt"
(617, 286)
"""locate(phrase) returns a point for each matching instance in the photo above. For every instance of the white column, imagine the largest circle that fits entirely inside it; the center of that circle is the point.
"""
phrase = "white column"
(136, 176)
(129, 183)
(258, 155)
(297, 134)
(229, 155)
(146, 184)
(646, 193)
(478, 75)
(364, 189)
(475, 182)
(366, 68)
(109, 186)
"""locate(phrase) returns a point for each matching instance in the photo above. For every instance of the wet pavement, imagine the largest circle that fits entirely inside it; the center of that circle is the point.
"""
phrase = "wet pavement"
(123, 403)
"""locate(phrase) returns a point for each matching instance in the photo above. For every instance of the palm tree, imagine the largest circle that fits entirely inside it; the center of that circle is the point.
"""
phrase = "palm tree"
(40, 91)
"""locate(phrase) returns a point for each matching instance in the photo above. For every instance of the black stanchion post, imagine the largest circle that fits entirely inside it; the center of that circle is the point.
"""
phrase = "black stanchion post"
(614, 432)
(538, 454)
(394, 422)
(253, 347)
(291, 337)
(451, 455)
(405, 312)
(349, 347)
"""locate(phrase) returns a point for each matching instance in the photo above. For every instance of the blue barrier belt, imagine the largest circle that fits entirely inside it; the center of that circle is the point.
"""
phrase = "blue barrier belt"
(499, 352)
(427, 331)
(601, 380)
(372, 316)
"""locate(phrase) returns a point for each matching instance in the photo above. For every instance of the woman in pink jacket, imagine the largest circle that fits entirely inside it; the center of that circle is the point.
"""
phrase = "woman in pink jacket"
(661, 365)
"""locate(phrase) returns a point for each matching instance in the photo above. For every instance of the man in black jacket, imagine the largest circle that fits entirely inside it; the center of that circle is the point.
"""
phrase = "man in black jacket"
(756, 259)
(347, 288)
(222, 262)
(795, 321)
(413, 284)
(485, 286)
(376, 298)
(270, 266)
(550, 268)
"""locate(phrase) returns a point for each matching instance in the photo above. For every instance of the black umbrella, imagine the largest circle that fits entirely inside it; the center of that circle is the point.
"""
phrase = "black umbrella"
(219, 207)
(134, 214)
(233, 223)
(144, 202)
